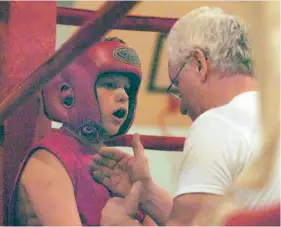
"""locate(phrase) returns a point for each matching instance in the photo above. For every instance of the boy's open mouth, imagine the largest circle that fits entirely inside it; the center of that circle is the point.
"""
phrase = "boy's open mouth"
(120, 113)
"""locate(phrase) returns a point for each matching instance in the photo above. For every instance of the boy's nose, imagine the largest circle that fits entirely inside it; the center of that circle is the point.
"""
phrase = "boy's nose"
(122, 95)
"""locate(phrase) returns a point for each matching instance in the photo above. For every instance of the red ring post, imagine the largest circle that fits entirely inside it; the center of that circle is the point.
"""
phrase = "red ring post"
(109, 14)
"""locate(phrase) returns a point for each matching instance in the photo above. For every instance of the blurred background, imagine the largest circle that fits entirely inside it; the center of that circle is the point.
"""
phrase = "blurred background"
(157, 112)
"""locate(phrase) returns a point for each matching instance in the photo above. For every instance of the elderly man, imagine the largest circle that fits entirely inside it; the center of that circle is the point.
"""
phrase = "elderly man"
(210, 68)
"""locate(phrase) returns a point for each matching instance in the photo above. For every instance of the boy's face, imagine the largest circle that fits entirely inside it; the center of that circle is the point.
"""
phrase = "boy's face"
(112, 93)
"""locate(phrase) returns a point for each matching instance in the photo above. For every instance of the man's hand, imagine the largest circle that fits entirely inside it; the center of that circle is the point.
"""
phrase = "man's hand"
(118, 171)
(123, 211)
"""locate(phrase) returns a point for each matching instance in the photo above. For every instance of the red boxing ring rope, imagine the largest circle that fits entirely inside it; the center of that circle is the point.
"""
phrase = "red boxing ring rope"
(159, 143)
(77, 17)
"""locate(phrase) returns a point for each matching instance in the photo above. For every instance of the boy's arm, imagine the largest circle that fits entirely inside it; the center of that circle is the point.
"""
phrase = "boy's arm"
(50, 190)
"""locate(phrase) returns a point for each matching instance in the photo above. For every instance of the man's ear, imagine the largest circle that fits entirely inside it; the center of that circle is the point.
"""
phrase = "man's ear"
(202, 65)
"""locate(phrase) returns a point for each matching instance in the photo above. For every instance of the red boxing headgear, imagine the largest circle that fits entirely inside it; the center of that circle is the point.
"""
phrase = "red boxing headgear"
(70, 98)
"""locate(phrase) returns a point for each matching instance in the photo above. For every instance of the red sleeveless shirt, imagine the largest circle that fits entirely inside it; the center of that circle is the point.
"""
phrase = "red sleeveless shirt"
(91, 197)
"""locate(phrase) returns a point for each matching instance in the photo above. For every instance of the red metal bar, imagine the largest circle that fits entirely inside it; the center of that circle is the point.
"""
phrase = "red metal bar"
(109, 14)
(160, 143)
(77, 17)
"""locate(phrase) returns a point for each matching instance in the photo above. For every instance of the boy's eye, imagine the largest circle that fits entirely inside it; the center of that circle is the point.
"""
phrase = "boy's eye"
(110, 85)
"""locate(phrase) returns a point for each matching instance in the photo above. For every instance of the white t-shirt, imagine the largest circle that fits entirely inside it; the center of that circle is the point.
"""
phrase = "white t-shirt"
(221, 142)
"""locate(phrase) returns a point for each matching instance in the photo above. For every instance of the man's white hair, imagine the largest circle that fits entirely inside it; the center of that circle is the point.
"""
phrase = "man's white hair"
(222, 37)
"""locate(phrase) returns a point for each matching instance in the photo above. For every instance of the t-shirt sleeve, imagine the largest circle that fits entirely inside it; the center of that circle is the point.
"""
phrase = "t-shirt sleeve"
(212, 157)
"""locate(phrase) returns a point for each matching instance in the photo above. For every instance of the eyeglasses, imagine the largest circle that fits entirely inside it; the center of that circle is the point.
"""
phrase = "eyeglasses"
(173, 89)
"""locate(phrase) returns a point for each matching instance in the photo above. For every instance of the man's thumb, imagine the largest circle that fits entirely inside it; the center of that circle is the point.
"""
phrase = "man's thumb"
(137, 146)
(133, 198)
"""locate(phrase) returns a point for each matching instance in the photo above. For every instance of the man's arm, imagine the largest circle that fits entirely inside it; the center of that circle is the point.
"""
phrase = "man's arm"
(182, 210)
(193, 209)
(50, 190)
(157, 203)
